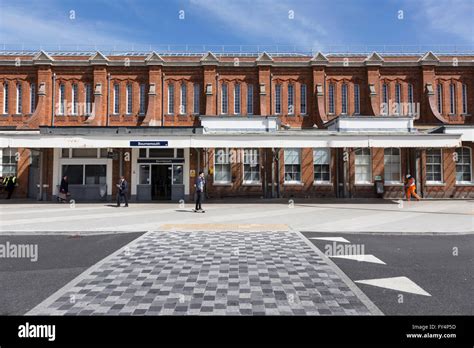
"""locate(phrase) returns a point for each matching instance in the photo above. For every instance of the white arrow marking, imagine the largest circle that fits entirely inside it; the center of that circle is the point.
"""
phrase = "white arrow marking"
(396, 283)
(361, 258)
(332, 239)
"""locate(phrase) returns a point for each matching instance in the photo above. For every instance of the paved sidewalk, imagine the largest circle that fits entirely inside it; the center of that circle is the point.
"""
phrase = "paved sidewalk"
(215, 273)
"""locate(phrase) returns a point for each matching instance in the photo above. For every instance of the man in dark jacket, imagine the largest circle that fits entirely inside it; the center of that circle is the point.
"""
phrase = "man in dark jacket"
(11, 183)
(122, 191)
(63, 189)
(200, 186)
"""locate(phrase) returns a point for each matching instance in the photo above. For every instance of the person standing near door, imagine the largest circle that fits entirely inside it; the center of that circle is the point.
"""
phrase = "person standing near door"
(63, 189)
(200, 186)
(122, 191)
(410, 188)
(11, 183)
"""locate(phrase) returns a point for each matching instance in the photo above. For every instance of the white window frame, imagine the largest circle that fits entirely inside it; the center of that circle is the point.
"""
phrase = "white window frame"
(5, 98)
(12, 152)
(196, 98)
(398, 98)
(32, 98)
(391, 156)
(278, 99)
(344, 99)
(410, 99)
(328, 153)
(129, 98)
(249, 99)
(237, 94)
(439, 94)
(440, 164)
(356, 99)
(291, 99)
(142, 107)
(19, 98)
(303, 100)
(62, 98)
(183, 94)
(363, 182)
(224, 99)
(226, 162)
(170, 99)
(249, 156)
(88, 98)
(452, 99)
(464, 99)
(291, 164)
(331, 99)
(385, 99)
(116, 99)
(74, 92)
(469, 151)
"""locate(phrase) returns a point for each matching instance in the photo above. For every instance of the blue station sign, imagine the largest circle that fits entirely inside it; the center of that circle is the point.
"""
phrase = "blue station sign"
(148, 143)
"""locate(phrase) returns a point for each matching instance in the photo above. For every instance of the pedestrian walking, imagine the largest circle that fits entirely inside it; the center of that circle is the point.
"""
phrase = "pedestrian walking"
(200, 187)
(11, 183)
(122, 191)
(63, 189)
(410, 187)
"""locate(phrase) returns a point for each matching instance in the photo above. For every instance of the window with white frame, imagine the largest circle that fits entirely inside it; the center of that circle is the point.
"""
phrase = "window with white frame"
(321, 163)
(88, 98)
(170, 99)
(292, 160)
(331, 99)
(463, 165)
(5, 98)
(183, 97)
(363, 166)
(32, 97)
(385, 99)
(129, 98)
(222, 166)
(85, 174)
(142, 99)
(224, 99)
(249, 99)
(303, 102)
(237, 99)
(278, 99)
(410, 99)
(74, 99)
(291, 99)
(356, 99)
(62, 98)
(398, 98)
(392, 165)
(434, 171)
(196, 96)
(452, 99)
(19, 98)
(251, 166)
(344, 99)
(116, 98)
(464, 99)
(439, 92)
(8, 161)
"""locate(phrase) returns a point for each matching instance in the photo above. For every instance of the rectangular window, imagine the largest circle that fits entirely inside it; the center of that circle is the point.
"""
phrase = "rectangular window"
(5, 98)
(464, 99)
(398, 98)
(411, 107)
(303, 105)
(8, 160)
(88, 98)
(363, 166)
(142, 98)
(95, 174)
(129, 98)
(183, 96)
(237, 99)
(84, 153)
(62, 98)
(196, 96)
(116, 98)
(434, 166)
(440, 98)
(392, 165)
(32, 98)
(144, 174)
(224, 99)
(356, 100)
(222, 169)
(251, 166)
(331, 96)
(292, 160)
(291, 100)
(452, 99)
(75, 173)
(384, 99)
(249, 99)
(344, 99)
(278, 99)
(170, 99)
(321, 162)
(19, 98)
(463, 165)
(74, 99)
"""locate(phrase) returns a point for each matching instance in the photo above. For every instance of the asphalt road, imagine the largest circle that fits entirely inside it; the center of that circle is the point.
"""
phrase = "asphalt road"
(427, 260)
(24, 284)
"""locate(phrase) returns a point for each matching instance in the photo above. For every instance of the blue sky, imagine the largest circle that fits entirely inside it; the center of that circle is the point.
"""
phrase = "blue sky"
(310, 23)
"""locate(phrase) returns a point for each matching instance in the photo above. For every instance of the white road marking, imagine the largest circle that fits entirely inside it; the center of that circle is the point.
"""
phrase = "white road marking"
(403, 284)
(332, 239)
(361, 258)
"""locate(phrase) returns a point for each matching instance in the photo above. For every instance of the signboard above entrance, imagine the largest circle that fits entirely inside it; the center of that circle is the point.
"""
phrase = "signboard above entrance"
(148, 143)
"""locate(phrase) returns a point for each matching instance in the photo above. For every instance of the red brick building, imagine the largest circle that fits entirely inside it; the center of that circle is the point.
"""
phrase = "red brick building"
(262, 125)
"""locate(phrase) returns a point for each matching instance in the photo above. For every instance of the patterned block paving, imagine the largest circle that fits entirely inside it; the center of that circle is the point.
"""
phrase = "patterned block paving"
(209, 273)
